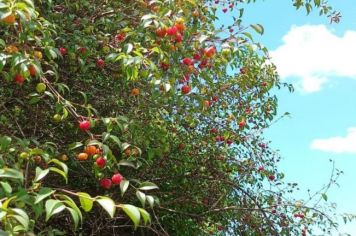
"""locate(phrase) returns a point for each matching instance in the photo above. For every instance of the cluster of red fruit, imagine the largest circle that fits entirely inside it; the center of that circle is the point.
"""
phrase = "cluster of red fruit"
(19, 79)
(115, 180)
(299, 215)
(100, 63)
(220, 138)
(174, 32)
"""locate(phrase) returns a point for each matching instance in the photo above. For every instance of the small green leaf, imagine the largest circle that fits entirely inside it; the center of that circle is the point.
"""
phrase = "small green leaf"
(324, 196)
(142, 197)
(258, 28)
(75, 216)
(124, 184)
(53, 207)
(147, 186)
(86, 201)
(108, 204)
(145, 216)
(74, 145)
(132, 212)
(22, 217)
(43, 193)
(40, 174)
(6, 186)
(58, 171)
(150, 200)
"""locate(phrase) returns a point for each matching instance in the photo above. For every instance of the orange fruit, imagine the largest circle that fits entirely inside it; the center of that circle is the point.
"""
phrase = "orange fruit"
(10, 19)
(196, 13)
(11, 49)
(38, 54)
(135, 92)
(90, 150)
(82, 156)
(32, 70)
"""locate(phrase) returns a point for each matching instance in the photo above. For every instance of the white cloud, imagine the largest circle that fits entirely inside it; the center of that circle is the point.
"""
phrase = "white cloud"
(313, 54)
(337, 144)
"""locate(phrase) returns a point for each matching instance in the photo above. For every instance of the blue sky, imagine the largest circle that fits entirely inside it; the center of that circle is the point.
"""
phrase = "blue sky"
(319, 59)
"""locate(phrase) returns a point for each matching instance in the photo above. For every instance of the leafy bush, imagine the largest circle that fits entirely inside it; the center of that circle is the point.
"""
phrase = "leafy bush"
(141, 115)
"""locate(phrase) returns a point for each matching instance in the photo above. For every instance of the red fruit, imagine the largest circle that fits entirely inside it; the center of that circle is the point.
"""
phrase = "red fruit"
(120, 37)
(213, 131)
(207, 103)
(264, 84)
(271, 177)
(100, 63)
(261, 168)
(100, 162)
(63, 51)
(229, 142)
(219, 138)
(215, 98)
(185, 89)
(116, 179)
(196, 57)
(220, 228)
(187, 61)
(161, 32)
(242, 124)
(84, 125)
(217, 1)
(105, 183)
(231, 30)
(19, 79)
(172, 30)
(32, 70)
(185, 78)
(82, 50)
(243, 70)
(224, 10)
(179, 38)
(210, 51)
(180, 27)
(273, 211)
(164, 66)
(231, 6)
(203, 64)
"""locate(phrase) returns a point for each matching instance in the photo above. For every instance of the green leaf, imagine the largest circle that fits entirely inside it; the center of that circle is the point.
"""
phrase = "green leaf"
(86, 201)
(108, 204)
(53, 207)
(145, 216)
(75, 216)
(11, 173)
(4, 142)
(324, 196)
(258, 28)
(43, 193)
(40, 174)
(58, 171)
(150, 200)
(22, 217)
(6, 186)
(142, 197)
(132, 212)
(124, 184)
(147, 186)
(127, 163)
(61, 164)
(74, 145)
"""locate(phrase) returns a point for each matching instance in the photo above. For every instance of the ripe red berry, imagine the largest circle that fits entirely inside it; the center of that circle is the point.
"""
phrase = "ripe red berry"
(82, 50)
(84, 125)
(120, 37)
(181, 146)
(164, 66)
(19, 79)
(187, 61)
(261, 168)
(106, 183)
(229, 142)
(172, 31)
(179, 38)
(116, 179)
(100, 63)
(32, 70)
(242, 124)
(161, 32)
(213, 131)
(215, 98)
(185, 89)
(210, 51)
(63, 51)
(100, 162)
(243, 70)
(196, 57)
(224, 10)
(271, 177)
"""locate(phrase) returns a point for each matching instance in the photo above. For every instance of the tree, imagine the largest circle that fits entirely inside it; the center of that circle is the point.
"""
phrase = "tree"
(141, 110)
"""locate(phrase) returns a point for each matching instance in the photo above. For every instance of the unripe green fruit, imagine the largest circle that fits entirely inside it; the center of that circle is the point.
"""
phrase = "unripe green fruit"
(226, 52)
(106, 49)
(24, 155)
(57, 118)
(41, 87)
(72, 55)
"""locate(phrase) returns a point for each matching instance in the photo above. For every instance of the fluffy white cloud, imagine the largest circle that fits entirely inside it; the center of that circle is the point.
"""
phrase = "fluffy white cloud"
(312, 54)
(337, 144)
